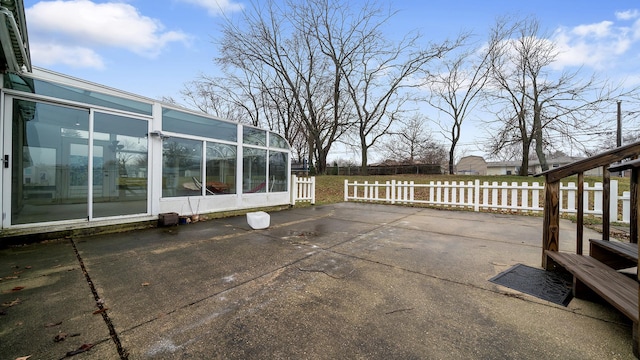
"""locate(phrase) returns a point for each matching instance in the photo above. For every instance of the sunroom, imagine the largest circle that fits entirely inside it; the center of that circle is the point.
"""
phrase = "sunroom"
(77, 152)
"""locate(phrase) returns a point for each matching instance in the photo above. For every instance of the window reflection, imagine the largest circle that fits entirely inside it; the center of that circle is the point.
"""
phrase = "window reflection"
(186, 123)
(253, 136)
(220, 169)
(41, 87)
(181, 167)
(120, 164)
(254, 170)
(277, 141)
(278, 165)
(50, 162)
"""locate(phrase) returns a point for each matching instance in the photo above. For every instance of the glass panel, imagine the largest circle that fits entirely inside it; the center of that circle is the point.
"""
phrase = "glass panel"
(253, 136)
(50, 163)
(254, 170)
(278, 164)
(119, 165)
(185, 123)
(181, 167)
(221, 169)
(277, 141)
(40, 87)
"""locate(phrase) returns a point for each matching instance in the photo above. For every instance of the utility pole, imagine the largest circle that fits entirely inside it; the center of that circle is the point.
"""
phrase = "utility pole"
(619, 133)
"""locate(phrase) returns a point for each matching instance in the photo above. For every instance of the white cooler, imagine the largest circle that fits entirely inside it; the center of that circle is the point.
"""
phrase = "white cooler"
(258, 220)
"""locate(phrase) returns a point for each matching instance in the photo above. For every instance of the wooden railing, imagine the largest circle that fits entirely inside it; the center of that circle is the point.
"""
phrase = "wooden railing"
(551, 226)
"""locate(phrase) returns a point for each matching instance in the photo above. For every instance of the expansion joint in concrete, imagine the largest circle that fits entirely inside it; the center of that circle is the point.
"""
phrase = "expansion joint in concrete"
(102, 310)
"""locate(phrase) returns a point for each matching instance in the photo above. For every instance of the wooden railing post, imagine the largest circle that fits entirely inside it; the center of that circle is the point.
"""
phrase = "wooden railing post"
(580, 219)
(633, 228)
(551, 227)
(606, 203)
(634, 165)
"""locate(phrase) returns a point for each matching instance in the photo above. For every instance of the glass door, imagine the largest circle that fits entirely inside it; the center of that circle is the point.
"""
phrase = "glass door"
(53, 175)
(120, 165)
(49, 162)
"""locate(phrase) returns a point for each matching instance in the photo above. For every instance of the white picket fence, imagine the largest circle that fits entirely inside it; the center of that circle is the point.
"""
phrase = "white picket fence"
(513, 197)
(303, 189)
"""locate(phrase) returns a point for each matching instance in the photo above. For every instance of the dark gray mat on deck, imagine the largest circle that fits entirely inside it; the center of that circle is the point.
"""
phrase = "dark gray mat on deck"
(542, 284)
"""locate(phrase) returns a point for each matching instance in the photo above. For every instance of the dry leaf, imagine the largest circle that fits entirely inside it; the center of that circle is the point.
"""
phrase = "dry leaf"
(146, 284)
(60, 337)
(23, 357)
(17, 288)
(53, 324)
(81, 349)
(99, 311)
(28, 267)
(11, 303)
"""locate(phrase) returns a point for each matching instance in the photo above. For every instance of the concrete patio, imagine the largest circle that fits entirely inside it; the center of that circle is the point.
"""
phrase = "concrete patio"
(350, 281)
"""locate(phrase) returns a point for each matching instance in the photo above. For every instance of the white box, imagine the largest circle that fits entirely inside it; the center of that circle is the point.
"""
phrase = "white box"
(258, 220)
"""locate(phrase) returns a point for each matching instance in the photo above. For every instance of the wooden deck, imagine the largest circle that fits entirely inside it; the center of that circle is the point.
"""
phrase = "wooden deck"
(597, 273)
(616, 288)
(615, 254)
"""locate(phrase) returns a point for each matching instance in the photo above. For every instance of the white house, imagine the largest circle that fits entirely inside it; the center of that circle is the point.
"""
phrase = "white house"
(476, 165)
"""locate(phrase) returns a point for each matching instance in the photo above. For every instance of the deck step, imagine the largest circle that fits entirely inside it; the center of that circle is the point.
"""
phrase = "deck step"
(616, 254)
(617, 289)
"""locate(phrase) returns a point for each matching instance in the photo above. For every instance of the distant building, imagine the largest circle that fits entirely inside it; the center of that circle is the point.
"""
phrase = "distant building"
(503, 168)
(476, 165)
(472, 165)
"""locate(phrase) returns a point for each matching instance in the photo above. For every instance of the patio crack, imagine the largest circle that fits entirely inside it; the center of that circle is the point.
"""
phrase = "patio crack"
(102, 310)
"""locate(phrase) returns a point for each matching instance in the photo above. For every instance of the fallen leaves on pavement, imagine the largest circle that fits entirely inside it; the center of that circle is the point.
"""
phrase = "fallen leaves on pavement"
(81, 349)
(99, 311)
(11, 303)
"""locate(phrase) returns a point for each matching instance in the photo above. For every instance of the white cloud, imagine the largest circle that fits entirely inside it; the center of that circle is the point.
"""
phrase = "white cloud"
(599, 30)
(84, 26)
(627, 15)
(598, 45)
(216, 7)
(72, 56)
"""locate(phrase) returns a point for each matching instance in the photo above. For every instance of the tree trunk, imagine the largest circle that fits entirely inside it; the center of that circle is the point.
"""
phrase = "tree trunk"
(524, 166)
(451, 164)
(541, 155)
(537, 134)
(364, 170)
(321, 166)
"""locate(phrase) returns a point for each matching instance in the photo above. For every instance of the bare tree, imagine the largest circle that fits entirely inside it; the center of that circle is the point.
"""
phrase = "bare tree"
(458, 88)
(412, 143)
(382, 75)
(273, 43)
(323, 64)
(534, 104)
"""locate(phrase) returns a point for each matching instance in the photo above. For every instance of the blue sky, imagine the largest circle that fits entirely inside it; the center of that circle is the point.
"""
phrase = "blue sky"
(153, 47)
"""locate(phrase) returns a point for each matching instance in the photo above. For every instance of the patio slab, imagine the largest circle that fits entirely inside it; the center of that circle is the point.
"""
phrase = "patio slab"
(336, 281)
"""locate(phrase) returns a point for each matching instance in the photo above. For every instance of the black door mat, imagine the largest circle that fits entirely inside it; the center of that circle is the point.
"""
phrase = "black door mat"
(546, 285)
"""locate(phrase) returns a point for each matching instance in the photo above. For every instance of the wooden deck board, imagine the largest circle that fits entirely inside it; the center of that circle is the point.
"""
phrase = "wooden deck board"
(616, 254)
(614, 287)
(627, 250)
